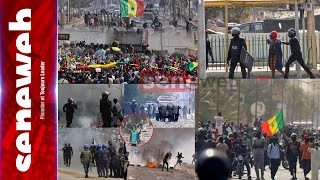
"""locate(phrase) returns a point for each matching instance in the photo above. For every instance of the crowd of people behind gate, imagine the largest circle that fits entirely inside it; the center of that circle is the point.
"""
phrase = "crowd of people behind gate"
(125, 65)
(102, 19)
(291, 145)
(159, 112)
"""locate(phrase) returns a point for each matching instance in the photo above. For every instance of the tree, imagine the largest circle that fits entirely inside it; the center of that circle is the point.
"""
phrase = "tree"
(238, 13)
(75, 3)
(211, 12)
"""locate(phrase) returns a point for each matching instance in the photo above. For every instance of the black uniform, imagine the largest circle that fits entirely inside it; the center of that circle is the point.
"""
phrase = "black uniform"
(99, 160)
(64, 150)
(133, 107)
(208, 51)
(69, 153)
(93, 152)
(105, 162)
(234, 54)
(296, 55)
(69, 110)
(105, 110)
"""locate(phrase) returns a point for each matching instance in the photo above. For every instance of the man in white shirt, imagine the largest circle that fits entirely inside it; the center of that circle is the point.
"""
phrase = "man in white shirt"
(315, 161)
(219, 123)
(274, 156)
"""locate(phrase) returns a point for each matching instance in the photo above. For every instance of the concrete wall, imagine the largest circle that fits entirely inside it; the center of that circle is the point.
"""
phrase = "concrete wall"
(167, 40)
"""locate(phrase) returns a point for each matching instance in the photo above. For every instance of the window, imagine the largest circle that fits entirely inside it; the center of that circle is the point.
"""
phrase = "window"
(244, 28)
(258, 28)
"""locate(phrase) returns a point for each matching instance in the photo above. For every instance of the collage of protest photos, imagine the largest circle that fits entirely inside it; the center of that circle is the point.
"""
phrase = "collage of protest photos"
(127, 72)
(135, 103)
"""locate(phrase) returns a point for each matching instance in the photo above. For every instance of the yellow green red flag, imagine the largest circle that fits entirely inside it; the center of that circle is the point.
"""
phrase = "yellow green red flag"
(131, 8)
(273, 125)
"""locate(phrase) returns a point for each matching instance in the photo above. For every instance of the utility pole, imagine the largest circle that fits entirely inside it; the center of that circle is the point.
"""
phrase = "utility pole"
(298, 66)
(68, 11)
(202, 41)
(311, 33)
(304, 31)
(226, 33)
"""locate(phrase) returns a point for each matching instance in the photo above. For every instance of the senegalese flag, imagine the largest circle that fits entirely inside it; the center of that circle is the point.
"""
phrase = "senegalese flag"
(178, 57)
(192, 65)
(131, 8)
(273, 125)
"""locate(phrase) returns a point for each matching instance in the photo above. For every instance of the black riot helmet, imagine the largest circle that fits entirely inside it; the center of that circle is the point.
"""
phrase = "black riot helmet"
(70, 100)
(105, 94)
(235, 32)
(292, 33)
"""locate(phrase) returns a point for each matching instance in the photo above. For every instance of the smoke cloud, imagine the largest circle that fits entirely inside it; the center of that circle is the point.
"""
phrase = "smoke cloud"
(77, 137)
(163, 141)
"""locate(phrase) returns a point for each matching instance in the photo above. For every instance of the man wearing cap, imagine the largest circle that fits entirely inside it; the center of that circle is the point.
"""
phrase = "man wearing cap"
(105, 109)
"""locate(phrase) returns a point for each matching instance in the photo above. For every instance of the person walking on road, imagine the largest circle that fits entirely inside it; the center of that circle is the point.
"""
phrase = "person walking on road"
(306, 156)
(274, 156)
(85, 159)
(258, 146)
(69, 154)
(296, 54)
(293, 155)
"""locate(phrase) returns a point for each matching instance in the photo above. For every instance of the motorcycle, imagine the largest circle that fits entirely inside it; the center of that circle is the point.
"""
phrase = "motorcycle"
(240, 166)
(240, 160)
(283, 157)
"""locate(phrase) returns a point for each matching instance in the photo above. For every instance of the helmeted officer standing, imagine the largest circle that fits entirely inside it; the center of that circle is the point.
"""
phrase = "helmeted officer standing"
(69, 110)
(64, 150)
(105, 109)
(69, 154)
(85, 159)
(99, 155)
(236, 45)
(105, 161)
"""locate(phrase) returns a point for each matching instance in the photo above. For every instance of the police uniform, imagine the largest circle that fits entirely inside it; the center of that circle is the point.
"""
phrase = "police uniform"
(85, 158)
(236, 45)
(69, 110)
(105, 110)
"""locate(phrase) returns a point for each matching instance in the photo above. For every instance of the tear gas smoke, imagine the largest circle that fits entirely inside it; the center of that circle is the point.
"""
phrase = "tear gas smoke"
(80, 136)
(163, 141)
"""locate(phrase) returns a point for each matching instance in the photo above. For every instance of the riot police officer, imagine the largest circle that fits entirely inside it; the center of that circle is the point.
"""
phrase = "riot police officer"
(69, 154)
(93, 149)
(64, 150)
(133, 107)
(69, 108)
(85, 159)
(105, 161)
(99, 160)
(295, 54)
(236, 45)
(105, 109)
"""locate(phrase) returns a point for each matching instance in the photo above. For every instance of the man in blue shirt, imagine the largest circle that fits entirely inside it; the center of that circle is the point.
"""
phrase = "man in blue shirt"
(134, 136)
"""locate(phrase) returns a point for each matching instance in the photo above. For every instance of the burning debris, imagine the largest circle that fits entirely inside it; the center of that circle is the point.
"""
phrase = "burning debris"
(154, 164)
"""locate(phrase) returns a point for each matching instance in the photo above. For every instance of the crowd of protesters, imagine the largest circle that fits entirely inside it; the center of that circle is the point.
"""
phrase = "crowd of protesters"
(133, 67)
(292, 144)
